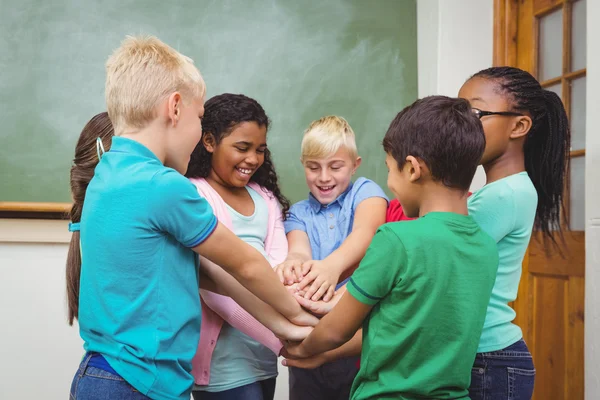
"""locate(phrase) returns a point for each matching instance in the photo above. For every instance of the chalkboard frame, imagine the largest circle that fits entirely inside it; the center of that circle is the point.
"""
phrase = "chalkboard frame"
(33, 210)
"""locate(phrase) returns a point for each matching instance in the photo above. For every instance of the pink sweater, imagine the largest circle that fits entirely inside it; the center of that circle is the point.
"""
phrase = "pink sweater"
(217, 308)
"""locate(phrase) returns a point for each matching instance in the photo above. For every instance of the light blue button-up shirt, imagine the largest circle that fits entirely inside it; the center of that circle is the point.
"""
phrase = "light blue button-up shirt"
(327, 226)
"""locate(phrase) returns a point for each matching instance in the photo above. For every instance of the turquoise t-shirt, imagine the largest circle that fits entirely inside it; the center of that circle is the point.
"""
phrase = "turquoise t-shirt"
(505, 210)
(139, 305)
(238, 359)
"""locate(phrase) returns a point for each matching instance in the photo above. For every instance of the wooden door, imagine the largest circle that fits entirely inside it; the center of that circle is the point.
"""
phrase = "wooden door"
(547, 38)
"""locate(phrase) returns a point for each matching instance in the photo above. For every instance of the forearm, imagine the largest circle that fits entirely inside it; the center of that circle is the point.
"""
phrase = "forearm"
(241, 320)
(263, 313)
(351, 251)
(351, 348)
(266, 287)
(249, 268)
(207, 283)
(325, 337)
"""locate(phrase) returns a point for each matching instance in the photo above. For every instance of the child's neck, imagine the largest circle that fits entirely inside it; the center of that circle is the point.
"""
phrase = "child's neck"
(151, 138)
(439, 198)
(221, 187)
(508, 164)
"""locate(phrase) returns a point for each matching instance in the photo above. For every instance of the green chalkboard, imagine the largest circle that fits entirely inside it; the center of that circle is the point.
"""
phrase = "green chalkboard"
(301, 59)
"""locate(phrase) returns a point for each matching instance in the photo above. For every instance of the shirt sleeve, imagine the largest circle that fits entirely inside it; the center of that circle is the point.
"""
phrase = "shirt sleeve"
(367, 189)
(380, 270)
(177, 208)
(294, 221)
(240, 319)
(279, 245)
(494, 210)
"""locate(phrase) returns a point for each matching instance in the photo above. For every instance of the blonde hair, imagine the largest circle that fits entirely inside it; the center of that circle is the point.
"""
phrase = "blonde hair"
(141, 73)
(325, 136)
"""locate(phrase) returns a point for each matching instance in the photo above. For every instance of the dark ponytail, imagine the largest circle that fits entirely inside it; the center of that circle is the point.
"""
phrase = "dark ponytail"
(546, 147)
(82, 171)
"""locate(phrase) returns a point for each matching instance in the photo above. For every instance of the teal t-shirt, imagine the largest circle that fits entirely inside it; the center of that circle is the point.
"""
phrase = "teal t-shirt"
(505, 210)
(429, 281)
(139, 305)
(239, 360)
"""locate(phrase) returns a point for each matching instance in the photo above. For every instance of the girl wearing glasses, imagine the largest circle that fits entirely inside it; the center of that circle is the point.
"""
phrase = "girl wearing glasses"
(525, 161)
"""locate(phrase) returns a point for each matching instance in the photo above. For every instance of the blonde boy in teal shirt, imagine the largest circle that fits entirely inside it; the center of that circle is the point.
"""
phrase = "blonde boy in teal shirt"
(141, 225)
(422, 289)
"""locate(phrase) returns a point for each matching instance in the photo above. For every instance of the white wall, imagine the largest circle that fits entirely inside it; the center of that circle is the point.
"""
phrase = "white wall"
(39, 352)
(455, 40)
(592, 207)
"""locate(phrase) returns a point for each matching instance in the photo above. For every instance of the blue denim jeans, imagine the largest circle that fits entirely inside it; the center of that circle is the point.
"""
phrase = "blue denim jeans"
(262, 390)
(506, 374)
(92, 383)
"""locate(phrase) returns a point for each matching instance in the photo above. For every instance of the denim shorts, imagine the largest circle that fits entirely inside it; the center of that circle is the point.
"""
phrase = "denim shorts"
(91, 383)
(507, 374)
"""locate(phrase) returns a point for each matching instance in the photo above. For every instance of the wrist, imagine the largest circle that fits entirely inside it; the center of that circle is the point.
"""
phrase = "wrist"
(296, 310)
(278, 327)
(334, 265)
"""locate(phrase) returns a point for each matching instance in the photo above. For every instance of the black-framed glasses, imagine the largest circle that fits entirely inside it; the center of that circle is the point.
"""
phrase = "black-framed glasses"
(480, 113)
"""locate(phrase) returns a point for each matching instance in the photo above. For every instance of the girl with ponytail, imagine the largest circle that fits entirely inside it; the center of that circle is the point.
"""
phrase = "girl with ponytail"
(525, 161)
(95, 138)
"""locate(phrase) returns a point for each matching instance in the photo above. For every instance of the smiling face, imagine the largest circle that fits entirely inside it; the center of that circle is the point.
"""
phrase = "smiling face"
(327, 178)
(238, 156)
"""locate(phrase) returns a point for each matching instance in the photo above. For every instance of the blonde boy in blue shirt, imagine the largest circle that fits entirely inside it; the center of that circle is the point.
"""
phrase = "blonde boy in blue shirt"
(328, 235)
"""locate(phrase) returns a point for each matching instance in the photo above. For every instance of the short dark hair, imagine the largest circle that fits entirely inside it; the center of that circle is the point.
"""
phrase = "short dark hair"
(444, 133)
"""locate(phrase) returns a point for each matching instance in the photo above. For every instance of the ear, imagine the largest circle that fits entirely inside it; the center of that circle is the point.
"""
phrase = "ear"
(414, 169)
(521, 127)
(209, 142)
(174, 103)
(356, 164)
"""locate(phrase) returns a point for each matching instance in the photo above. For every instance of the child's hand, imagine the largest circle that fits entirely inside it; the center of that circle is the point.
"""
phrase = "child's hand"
(306, 363)
(323, 279)
(294, 350)
(304, 318)
(294, 333)
(293, 289)
(321, 307)
(289, 272)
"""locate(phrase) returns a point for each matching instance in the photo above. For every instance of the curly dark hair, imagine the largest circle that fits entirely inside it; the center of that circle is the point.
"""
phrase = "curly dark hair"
(546, 146)
(221, 114)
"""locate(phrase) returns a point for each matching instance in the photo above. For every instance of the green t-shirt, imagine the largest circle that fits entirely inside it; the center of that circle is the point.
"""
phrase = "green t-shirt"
(429, 281)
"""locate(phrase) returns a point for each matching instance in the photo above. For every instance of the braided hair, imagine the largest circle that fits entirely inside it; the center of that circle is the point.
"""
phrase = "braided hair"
(221, 115)
(546, 147)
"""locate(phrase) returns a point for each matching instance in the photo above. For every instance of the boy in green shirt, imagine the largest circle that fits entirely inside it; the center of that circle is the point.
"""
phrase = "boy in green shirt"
(422, 289)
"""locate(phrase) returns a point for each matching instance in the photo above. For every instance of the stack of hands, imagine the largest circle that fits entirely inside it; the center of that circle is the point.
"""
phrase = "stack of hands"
(313, 284)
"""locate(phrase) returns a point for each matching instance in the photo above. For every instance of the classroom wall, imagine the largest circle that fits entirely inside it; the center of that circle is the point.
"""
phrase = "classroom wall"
(454, 40)
(38, 351)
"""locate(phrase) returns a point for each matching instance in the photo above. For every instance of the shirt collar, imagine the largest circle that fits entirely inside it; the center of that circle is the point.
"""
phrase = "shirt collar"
(125, 145)
(316, 206)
